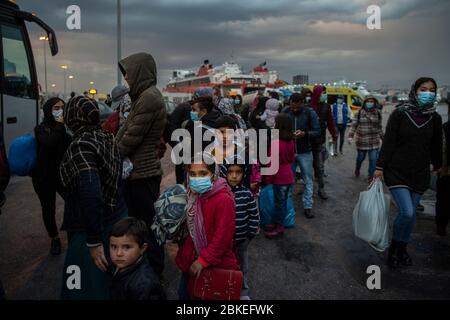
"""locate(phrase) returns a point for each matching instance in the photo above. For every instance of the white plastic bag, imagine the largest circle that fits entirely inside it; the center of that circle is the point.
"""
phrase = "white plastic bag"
(127, 167)
(371, 216)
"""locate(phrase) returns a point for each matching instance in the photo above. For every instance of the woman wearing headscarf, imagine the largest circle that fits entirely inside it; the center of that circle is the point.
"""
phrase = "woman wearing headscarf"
(211, 222)
(412, 142)
(121, 104)
(226, 107)
(90, 172)
(255, 116)
(367, 129)
(52, 141)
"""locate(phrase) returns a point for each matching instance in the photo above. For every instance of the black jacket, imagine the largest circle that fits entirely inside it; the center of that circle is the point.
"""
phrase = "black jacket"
(181, 113)
(258, 111)
(139, 282)
(208, 120)
(52, 143)
(408, 150)
(307, 121)
(84, 210)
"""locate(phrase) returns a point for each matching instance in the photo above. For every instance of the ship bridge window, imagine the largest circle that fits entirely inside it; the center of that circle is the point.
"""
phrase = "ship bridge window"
(16, 67)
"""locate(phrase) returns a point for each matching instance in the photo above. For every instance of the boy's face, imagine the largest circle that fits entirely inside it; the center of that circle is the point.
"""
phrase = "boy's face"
(227, 135)
(235, 175)
(125, 251)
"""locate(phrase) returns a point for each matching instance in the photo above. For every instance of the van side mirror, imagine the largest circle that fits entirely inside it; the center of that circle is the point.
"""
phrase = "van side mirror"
(50, 33)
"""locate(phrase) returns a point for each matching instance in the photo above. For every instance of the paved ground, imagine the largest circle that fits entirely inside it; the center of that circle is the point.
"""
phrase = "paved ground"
(318, 259)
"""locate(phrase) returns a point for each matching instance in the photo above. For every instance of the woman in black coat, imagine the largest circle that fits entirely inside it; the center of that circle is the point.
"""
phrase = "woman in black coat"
(412, 142)
(52, 142)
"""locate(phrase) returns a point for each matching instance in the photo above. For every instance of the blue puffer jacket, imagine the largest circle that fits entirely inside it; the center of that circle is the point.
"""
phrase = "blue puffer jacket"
(306, 120)
(344, 113)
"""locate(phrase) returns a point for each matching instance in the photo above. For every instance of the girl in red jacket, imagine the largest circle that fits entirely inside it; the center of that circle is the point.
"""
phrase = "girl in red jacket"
(211, 222)
(283, 180)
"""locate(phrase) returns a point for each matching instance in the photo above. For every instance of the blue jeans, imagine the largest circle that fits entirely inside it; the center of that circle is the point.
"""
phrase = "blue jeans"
(281, 193)
(305, 161)
(407, 202)
(373, 157)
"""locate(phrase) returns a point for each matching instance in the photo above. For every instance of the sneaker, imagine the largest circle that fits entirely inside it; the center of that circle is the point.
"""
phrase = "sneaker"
(55, 248)
(356, 172)
(275, 232)
(308, 214)
(245, 298)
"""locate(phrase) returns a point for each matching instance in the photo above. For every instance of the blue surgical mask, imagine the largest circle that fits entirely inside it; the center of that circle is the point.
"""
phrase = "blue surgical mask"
(340, 101)
(307, 99)
(57, 113)
(200, 184)
(323, 97)
(194, 115)
(237, 102)
(425, 98)
(370, 105)
(126, 114)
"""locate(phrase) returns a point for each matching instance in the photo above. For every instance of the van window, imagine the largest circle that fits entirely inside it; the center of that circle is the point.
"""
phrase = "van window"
(16, 67)
(356, 101)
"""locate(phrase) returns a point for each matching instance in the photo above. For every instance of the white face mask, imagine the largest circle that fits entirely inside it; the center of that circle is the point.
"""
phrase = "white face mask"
(57, 113)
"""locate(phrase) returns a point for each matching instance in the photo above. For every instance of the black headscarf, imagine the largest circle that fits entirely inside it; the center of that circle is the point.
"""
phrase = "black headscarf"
(49, 119)
(91, 149)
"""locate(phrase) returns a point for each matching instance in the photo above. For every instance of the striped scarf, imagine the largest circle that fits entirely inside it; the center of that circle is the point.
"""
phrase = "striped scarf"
(91, 149)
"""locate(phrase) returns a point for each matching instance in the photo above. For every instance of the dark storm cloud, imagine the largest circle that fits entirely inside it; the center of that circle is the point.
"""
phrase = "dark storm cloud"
(325, 38)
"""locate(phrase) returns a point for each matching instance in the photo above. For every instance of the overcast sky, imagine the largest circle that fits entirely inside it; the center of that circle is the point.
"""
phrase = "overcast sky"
(326, 39)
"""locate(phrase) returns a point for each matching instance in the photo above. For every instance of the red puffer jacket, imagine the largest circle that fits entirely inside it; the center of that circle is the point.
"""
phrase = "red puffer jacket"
(112, 123)
(220, 223)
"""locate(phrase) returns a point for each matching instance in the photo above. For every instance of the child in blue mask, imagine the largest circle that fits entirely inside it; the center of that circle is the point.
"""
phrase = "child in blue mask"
(211, 222)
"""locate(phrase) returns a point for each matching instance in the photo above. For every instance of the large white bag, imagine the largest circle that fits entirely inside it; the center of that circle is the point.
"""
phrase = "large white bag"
(371, 216)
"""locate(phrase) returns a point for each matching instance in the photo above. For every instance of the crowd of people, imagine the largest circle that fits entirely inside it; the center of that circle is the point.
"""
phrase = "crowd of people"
(108, 217)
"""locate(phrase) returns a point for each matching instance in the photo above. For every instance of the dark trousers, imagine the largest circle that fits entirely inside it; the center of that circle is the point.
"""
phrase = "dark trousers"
(140, 195)
(341, 132)
(442, 203)
(318, 163)
(46, 192)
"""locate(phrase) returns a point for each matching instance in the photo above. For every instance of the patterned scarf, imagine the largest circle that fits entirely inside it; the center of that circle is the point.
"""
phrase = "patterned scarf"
(413, 108)
(226, 106)
(91, 149)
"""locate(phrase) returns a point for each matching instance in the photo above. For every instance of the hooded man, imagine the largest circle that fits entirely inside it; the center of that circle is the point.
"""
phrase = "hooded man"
(323, 110)
(138, 139)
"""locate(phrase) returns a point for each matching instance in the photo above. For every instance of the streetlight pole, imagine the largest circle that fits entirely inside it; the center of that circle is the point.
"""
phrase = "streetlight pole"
(119, 42)
(71, 82)
(44, 39)
(65, 84)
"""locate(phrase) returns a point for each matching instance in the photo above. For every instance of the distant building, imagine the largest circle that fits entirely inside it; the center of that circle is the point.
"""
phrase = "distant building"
(300, 79)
